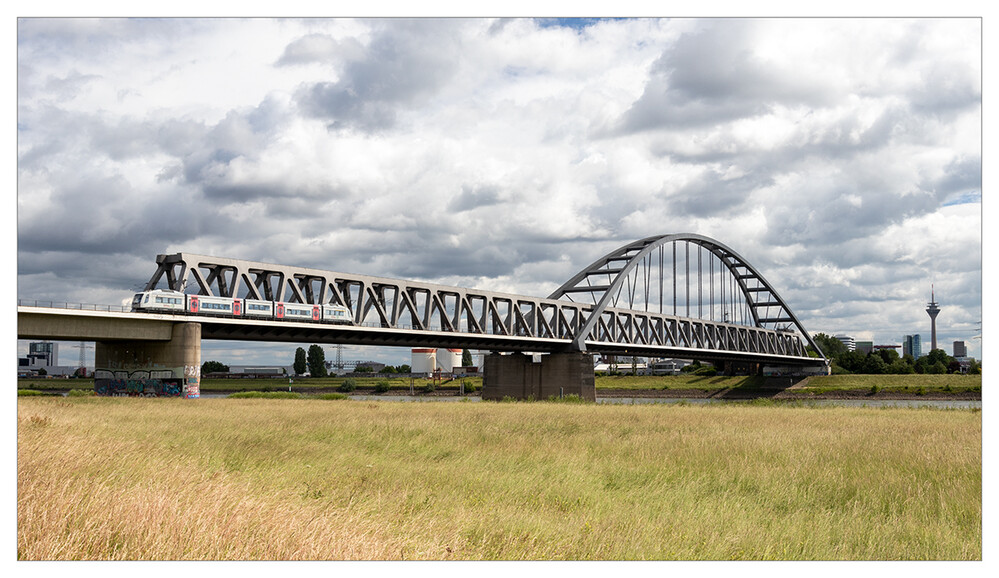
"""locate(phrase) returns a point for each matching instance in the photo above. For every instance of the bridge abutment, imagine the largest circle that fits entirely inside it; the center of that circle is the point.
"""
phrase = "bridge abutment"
(170, 368)
(518, 376)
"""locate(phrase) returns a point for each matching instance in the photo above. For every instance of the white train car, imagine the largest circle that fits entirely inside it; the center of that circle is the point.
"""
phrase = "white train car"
(336, 314)
(258, 308)
(297, 311)
(159, 300)
(177, 302)
(208, 305)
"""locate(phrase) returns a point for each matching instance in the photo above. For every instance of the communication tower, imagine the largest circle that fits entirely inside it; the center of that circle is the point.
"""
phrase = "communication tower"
(933, 311)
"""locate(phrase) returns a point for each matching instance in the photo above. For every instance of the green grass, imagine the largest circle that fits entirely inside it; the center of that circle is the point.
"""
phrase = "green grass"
(818, 384)
(265, 395)
(361, 383)
(675, 382)
(275, 479)
(858, 381)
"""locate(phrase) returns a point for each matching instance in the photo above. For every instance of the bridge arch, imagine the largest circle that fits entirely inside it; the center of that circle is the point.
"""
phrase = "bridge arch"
(634, 276)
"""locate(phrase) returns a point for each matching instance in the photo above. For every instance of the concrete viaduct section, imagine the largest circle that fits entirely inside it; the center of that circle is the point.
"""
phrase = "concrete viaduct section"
(558, 374)
(134, 356)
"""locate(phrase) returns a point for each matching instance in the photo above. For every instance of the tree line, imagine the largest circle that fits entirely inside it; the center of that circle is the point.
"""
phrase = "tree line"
(886, 360)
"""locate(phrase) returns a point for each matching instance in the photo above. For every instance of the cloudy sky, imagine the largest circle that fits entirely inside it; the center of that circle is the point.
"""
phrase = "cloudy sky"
(841, 157)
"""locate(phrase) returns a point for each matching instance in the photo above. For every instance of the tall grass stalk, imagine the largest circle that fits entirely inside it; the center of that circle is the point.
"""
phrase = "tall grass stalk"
(102, 478)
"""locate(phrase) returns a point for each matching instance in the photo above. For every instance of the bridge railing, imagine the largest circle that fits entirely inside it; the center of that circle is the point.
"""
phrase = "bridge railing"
(73, 306)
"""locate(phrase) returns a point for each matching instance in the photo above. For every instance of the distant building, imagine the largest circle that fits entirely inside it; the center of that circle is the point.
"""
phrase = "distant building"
(666, 366)
(864, 346)
(263, 370)
(848, 341)
(878, 347)
(41, 354)
(374, 366)
(960, 349)
(912, 346)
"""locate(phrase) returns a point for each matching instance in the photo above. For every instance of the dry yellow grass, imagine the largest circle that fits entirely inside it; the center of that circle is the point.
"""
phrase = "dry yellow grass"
(307, 479)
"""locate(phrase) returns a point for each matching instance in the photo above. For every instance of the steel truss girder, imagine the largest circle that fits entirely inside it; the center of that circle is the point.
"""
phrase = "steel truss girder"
(393, 305)
(614, 277)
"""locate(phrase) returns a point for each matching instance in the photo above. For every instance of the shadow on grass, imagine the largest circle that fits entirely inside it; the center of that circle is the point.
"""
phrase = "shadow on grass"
(753, 386)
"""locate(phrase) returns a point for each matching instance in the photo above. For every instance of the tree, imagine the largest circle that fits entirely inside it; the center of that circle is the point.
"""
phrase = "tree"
(900, 367)
(831, 347)
(936, 361)
(889, 356)
(317, 361)
(852, 361)
(405, 368)
(213, 367)
(300, 365)
(466, 358)
(937, 368)
(874, 364)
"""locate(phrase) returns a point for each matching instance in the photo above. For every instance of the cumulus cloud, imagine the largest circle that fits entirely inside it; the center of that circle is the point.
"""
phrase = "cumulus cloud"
(841, 157)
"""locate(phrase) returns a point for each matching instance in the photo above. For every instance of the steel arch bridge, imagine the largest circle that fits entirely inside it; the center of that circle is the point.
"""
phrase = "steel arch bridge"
(653, 297)
(626, 276)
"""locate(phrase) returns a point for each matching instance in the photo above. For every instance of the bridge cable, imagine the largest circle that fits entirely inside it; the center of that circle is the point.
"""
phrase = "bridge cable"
(674, 278)
(700, 313)
(686, 276)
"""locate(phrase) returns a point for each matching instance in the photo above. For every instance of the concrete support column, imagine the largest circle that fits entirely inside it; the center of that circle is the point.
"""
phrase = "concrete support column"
(519, 377)
(151, 368)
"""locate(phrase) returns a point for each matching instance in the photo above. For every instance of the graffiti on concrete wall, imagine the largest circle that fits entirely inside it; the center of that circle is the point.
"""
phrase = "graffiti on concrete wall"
(192, 381)
(138, 387)
(141, 383)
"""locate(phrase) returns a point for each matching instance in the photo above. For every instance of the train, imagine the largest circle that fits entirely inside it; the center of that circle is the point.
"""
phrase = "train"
(163, 301)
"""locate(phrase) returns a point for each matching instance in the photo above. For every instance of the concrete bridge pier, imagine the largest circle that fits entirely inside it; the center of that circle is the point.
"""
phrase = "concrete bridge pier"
(518, 376)
(151, 368)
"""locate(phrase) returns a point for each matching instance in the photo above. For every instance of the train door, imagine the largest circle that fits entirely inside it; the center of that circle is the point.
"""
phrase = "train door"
(315, 313)
(279, 310)
(194, 305)
(237, 308)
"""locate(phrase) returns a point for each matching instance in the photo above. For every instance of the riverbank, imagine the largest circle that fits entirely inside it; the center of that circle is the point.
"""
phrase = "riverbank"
(873, 387)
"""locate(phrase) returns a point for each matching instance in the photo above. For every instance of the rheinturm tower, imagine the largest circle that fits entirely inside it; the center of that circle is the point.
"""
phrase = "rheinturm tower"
(933, 310)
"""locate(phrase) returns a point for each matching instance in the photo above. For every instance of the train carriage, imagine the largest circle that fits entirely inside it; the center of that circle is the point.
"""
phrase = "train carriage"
(299, 311)
(258, 308)
(336, 314)
(209, 305)
(159, 300)
(177, 302)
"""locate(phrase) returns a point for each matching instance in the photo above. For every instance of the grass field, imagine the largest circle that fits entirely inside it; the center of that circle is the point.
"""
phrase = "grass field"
(132, 478)
(817, 384)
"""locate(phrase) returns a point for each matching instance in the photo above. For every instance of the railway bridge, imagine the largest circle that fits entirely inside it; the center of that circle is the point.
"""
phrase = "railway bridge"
(680, 295)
